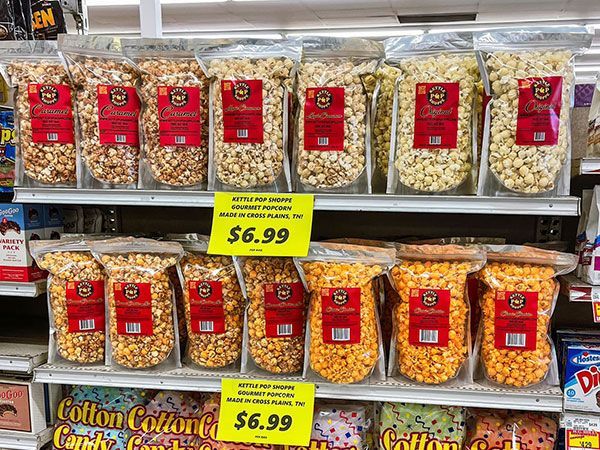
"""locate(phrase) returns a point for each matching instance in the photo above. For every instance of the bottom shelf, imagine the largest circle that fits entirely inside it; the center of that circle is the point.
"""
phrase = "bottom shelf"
(187, 379)
(21, 441)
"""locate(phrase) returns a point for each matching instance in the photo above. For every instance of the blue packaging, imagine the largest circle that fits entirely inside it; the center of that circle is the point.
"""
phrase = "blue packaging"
(7, 151)
(582, 377)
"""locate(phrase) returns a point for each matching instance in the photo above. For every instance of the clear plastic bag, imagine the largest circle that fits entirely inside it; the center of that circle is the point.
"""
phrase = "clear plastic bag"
(514, 346)
(249, 112)
(332, 150)
(108, 111)
(76, 302)
(276, 315)
(44, 104)
(590, 251)
(142, 320)
(434, 138)
(174, 93)
(432, 340)
(343, 342)
(581, 240)
(529, 74)
(593, 141)
(214, 305)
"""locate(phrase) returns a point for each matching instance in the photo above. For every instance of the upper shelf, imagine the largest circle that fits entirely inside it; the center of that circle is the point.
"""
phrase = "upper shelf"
(578, 290)
(559, 206)
(21, 357)
(22, 289)
(587, 166)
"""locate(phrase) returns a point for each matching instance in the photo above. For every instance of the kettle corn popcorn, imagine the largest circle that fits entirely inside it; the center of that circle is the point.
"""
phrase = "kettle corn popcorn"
(516, 307)
(529, 74)
(140, 299)
(344, 344)
(76, 300)
(431, 321)
(276, 314)
(433, 136)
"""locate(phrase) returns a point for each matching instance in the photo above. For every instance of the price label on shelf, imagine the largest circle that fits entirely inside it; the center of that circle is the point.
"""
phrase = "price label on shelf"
(596, 311)
(266, 412)
(253, 224)
(582, 432)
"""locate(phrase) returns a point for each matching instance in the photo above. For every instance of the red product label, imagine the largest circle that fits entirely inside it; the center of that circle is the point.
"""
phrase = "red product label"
(134, 308)
(515, 321)
(538, 119)
(51, 112)
(436, 115)
(179, 116)
(341, 315)
(429, 317)
(242, 111)
(206, 307)
(324, 119)
(85, 306)
(284, 310)
(118, 115)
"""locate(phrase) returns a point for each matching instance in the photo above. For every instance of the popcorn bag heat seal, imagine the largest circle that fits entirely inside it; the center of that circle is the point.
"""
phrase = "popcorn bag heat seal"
(141, 312)
(249, 112)
(529, 74)
(174, 94)
(44, 113)
(343, 340)
(76, 301)
(434, 126)
(108, 111)
(332, 146)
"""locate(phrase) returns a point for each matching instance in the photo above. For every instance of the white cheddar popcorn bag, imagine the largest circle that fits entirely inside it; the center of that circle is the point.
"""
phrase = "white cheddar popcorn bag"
(433, 138)
(527, 141)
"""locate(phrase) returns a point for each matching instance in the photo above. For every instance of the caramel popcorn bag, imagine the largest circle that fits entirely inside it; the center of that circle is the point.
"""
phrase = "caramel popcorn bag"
(275, 321)
(514, 347)
(44, 113)
(213, 304)
(529, 74)
(343, 340)
(76, 301)
(434, 130)
(141, 313)
(431, 342)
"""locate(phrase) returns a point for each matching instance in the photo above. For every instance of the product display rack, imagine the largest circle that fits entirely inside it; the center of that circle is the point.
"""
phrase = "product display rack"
(21, 358)
(16, 289)
(21, 441)
(558, 206)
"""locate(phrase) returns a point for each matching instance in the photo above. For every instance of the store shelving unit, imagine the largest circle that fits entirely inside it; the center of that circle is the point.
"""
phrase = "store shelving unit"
(21, 358)
(587, 166)
(577, 290)
(14, 289)
(559, 206)
(190, 380)
(22, 441)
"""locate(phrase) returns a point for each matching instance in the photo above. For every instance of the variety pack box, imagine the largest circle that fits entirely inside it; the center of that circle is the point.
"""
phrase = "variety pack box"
(582, 377)
(22, 405)
(53, 222)
(20, 224)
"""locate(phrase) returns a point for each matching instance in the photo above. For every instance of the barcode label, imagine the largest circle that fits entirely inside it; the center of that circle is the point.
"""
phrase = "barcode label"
(284, 329)
(323, 141)
(539, 136)
(85, 325)
(180, 139)
(52, 137)
(242, 133)
(133, 328)
(340, 334)
(428, 336)
(435, 140)
(516, 339)
(120, 138)
(207, 326)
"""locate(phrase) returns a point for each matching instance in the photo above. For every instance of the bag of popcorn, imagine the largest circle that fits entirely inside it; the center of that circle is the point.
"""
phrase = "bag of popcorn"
(434, 131)
(527, 142)
(250, 80)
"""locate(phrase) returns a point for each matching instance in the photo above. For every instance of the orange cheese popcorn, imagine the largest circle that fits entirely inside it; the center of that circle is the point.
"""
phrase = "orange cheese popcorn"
(431, 321)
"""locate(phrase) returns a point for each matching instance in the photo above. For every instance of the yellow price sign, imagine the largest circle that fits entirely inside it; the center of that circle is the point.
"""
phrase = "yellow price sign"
(253, 224)
(266, 412)
(583, 440)
(596, 311)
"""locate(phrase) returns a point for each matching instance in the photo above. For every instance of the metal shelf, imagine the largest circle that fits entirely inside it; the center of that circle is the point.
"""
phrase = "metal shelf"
(559, 206)
(187, 379)
(587, 166)
(18, 289)
(22, 358)
(23, 441)
(577, 290)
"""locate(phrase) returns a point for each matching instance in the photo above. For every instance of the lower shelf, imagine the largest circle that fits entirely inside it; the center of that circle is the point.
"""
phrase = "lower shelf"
(187, 379)
(21, 441)
(18, 289)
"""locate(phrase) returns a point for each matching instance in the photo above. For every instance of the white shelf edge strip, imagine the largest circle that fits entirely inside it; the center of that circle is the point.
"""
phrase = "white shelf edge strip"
(186, 380)
(22, 357)
(558, 206)
(18, 289)
(589, 166)
(22, 441)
